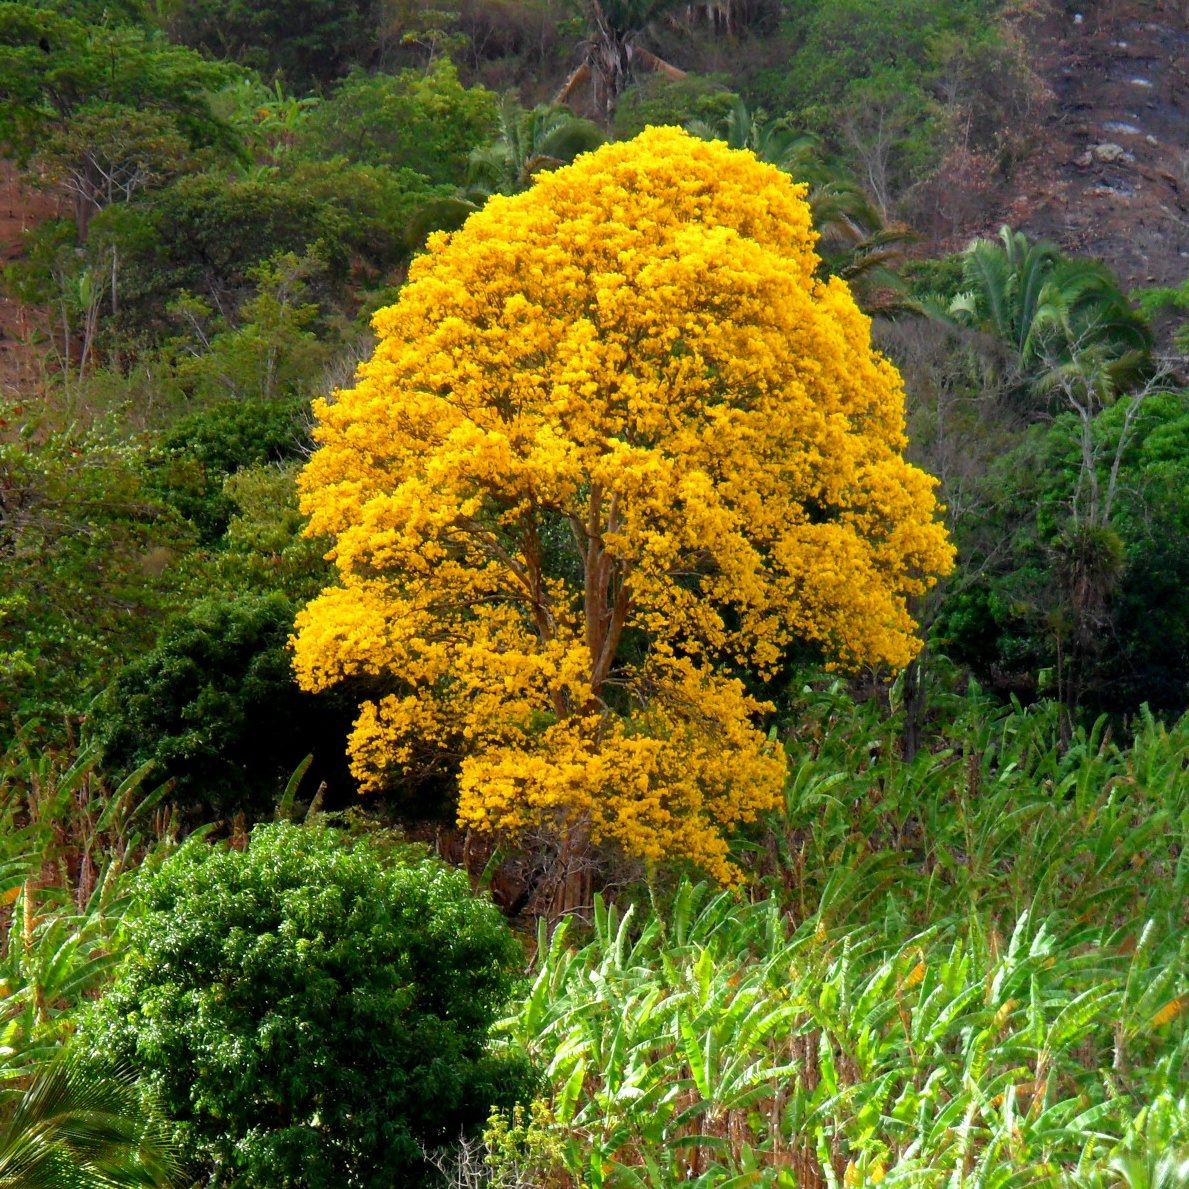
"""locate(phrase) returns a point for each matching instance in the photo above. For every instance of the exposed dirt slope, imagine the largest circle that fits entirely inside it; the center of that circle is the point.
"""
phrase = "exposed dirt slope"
(20, 209)
(1112, 176)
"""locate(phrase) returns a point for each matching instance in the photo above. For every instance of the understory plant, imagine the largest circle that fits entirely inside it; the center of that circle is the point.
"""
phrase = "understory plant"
(967, 970)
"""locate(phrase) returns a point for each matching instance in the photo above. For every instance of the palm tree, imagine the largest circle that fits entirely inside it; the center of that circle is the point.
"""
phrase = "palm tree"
(610, 53)
(545, 137)
(1045, 308)
(77, 1126)
(773, 141)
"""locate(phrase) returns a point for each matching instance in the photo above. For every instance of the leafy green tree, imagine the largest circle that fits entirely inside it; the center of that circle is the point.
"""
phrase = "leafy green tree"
(78, 1124)
(214, 706)
(426, 122)
(307, 42)
(207, 233)
(109, 153)
(64, 83)
(311, 1010)
(375, 204)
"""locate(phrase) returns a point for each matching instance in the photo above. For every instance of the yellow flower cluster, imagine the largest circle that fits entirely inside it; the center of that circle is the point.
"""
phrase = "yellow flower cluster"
(616, 446)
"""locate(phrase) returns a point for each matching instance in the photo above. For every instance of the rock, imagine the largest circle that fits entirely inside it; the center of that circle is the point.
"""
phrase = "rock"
(1085, 160)
(1121, 129)
(1108, 153)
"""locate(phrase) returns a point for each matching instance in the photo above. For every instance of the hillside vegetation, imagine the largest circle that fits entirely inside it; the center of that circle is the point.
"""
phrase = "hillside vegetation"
(593, 594)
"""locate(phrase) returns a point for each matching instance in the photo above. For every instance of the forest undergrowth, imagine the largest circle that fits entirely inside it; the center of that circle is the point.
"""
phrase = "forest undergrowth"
(970, 969)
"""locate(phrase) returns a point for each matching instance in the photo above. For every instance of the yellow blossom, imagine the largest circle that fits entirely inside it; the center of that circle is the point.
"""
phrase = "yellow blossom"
(616, 449)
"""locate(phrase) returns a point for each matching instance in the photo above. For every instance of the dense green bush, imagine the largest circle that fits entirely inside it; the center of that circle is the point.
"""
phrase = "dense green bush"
(413, 120)
(312, 1011)
(215, 706)
(194, 458)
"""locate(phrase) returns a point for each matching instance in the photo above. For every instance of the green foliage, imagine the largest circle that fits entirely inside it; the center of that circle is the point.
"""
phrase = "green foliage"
(1007, 626)
(1154, 302)
(426, 122)
(311, 1010)
(52, 65)
(85, 546)
(658, 99)
(306, 42)
(270, 354)
(841, 43)
(375, 204)
(110, 152)
(206, 234)
(194, 458)
(78, 1125)
(973, 968)
(68, 844)
(544, 138)
(1045, 307)
(215, 707)
(265, 547)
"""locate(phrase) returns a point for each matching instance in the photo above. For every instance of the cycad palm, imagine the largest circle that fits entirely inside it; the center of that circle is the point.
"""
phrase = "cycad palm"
(79, 1126)
(545, 137)
(1044, 307)
(528, 141)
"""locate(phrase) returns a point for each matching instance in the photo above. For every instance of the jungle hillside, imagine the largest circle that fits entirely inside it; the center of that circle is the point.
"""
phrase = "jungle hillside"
(594, 594)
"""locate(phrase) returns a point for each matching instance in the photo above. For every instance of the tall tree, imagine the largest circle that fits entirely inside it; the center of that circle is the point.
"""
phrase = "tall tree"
(110, 104)
(611, 51)
(618, 453)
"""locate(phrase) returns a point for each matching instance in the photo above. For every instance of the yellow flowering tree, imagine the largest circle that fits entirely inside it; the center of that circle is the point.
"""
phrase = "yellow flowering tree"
(616, 447)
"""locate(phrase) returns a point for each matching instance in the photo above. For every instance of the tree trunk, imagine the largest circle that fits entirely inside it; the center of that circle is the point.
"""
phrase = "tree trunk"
(573, 885)
(914, 704)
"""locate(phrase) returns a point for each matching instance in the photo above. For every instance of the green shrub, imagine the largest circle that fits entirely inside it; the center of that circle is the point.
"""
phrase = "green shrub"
(195, 457)
(424, 122)
(215, 706)
(312, 1011)
(660, 100)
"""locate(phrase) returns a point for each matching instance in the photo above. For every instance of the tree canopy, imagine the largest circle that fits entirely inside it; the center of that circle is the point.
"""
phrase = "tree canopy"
(617, 452)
